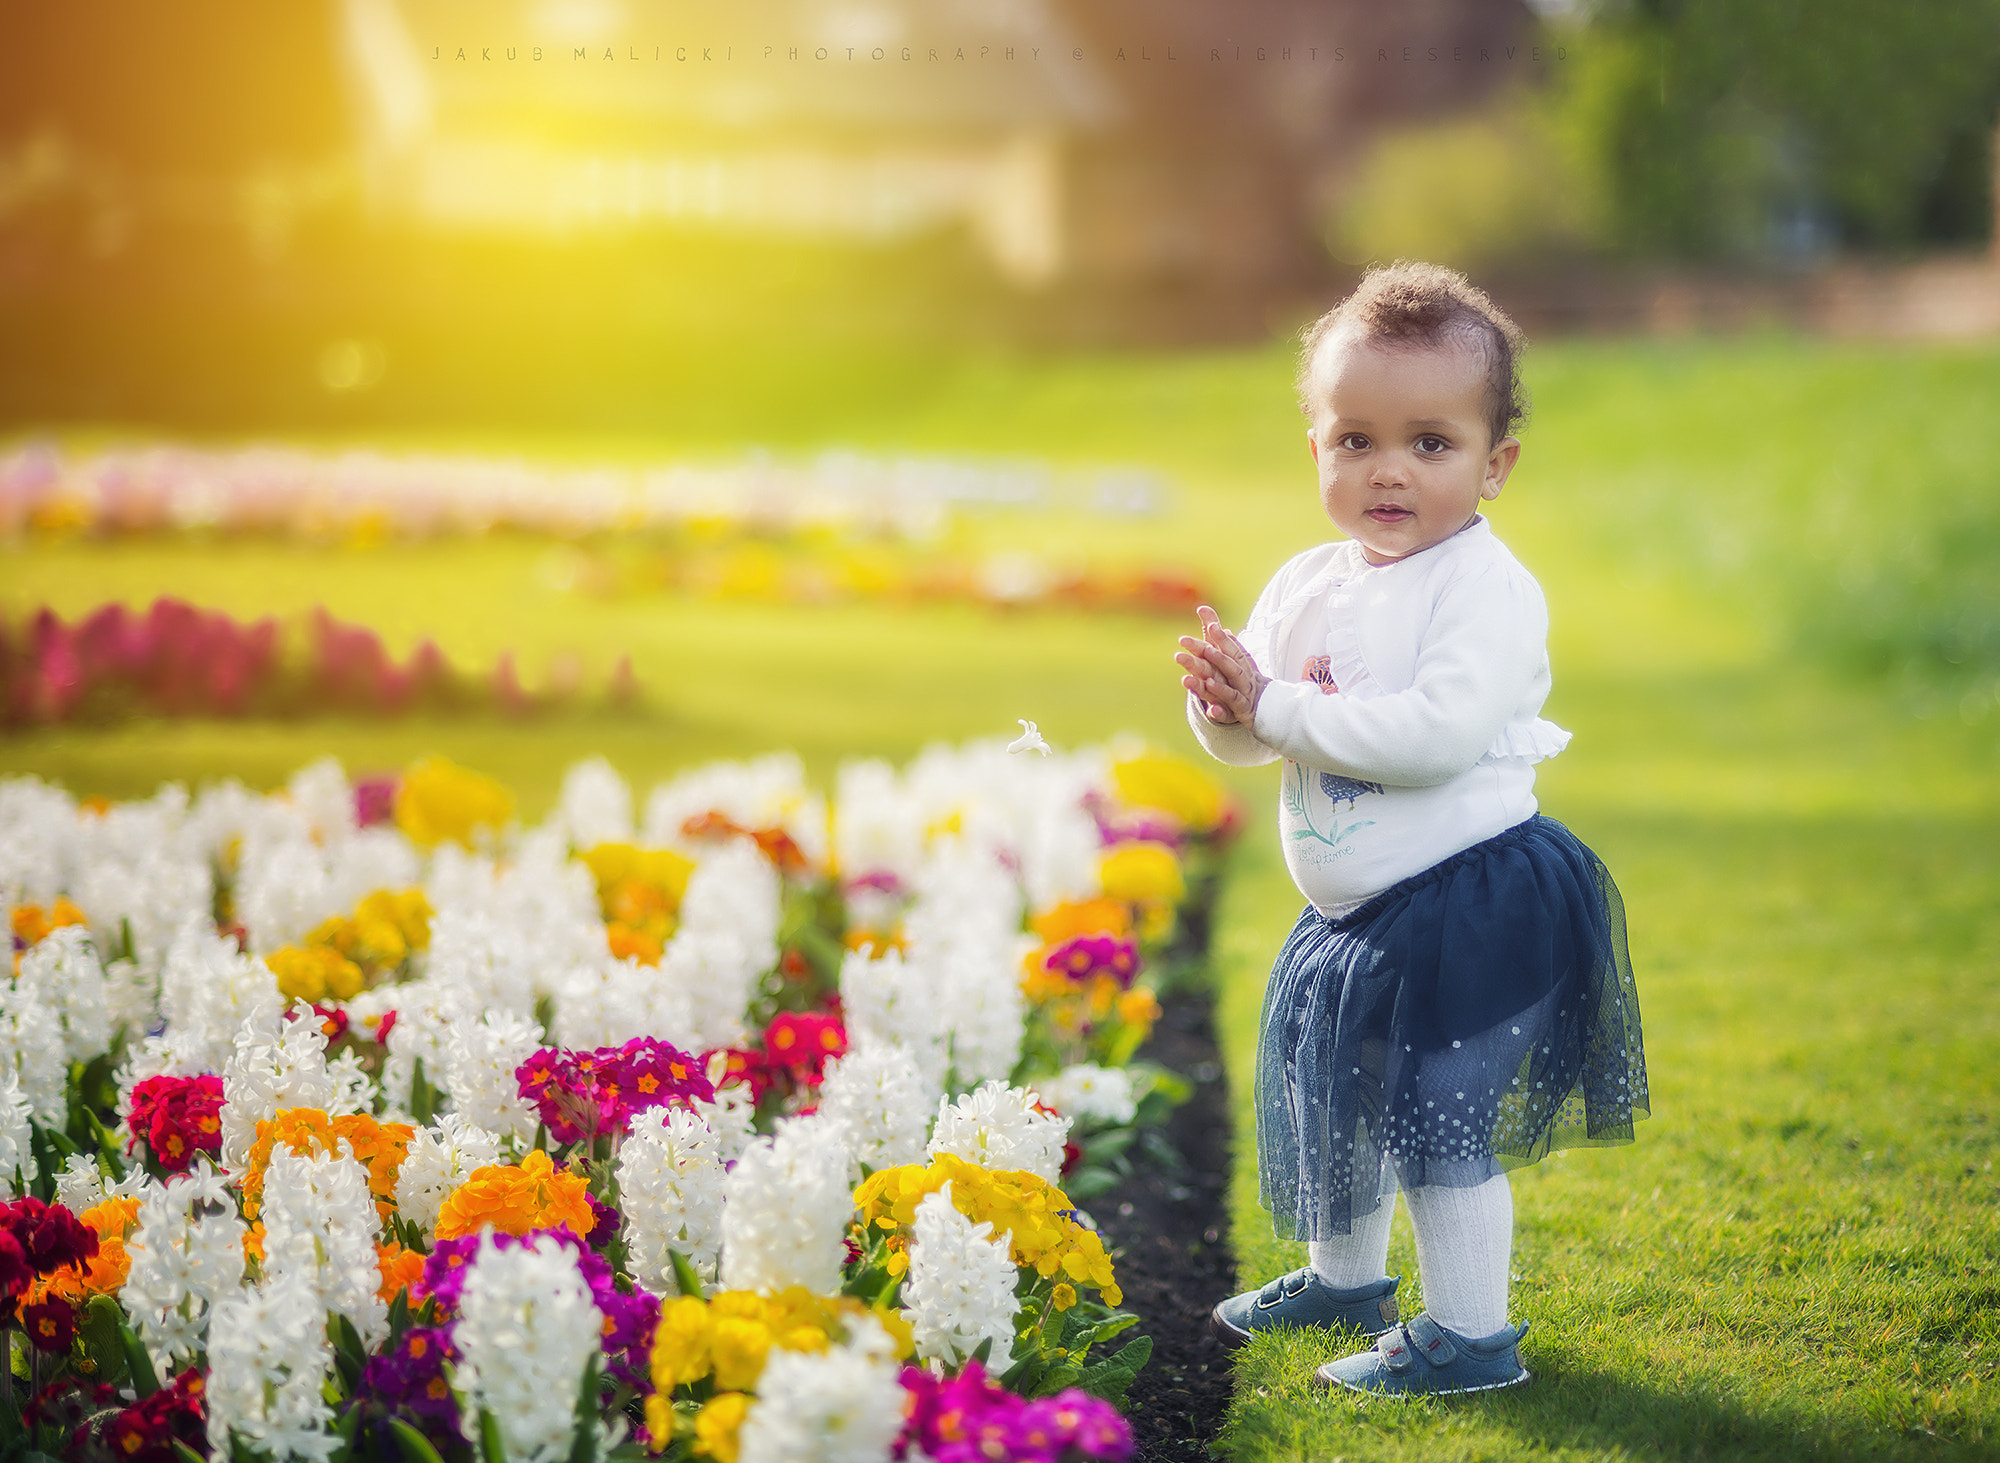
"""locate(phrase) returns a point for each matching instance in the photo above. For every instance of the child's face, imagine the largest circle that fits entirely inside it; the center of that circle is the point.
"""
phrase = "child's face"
(1401, 440)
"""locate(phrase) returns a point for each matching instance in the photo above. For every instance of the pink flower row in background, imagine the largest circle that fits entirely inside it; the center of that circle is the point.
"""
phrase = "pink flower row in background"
(176, 660)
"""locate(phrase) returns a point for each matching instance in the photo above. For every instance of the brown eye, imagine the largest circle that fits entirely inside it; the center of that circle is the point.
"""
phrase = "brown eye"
(1354, 442)
(1432, 445)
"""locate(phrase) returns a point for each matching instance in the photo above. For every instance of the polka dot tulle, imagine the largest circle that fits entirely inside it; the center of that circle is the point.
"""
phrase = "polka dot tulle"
(1471, 1018)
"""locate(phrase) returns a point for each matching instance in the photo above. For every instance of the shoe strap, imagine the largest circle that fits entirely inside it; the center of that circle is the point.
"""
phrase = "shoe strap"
(1284, 1288)
(1431, 1340)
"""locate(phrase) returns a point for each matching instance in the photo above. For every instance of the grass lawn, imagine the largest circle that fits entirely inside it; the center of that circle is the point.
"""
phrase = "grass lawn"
(1801, 1254)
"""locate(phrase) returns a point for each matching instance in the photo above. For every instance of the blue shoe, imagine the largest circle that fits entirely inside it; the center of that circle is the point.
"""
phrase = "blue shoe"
(1424, 1359)
(1303, 1299)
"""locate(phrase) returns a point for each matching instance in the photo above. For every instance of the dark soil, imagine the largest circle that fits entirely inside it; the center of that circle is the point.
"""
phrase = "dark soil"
(1171, 1223)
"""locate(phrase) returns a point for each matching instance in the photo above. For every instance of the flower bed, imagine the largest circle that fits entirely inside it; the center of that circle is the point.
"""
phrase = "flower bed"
(359, 1121)
(177, 660)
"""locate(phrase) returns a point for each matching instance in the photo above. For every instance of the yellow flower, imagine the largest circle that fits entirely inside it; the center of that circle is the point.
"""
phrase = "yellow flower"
(516, 1199)
(1138, 1007)
(680, 1343)
(717, 1424)
(439, 800)
(1173, 785)
(314, 972)
(1064, 1296)
(408, 910)
(1142, 873)
(732, 1334)
(1037, 1217)
(615, 864)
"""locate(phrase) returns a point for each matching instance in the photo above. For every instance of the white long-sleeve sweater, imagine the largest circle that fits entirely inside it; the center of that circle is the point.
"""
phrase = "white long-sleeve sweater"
(1405, 699)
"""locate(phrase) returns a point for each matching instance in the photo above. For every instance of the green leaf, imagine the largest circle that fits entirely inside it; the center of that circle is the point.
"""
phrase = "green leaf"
(1110, 1377)
(583, 1437)
(684, 1274)
(1089, 1181)
(188, 1455)
(421, 1106)
(399, 1317)
(145, 1381)
(415, 1447)
(97, 1332)
(491, 1448)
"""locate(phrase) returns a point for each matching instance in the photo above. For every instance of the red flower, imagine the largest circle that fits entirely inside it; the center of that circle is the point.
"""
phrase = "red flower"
(145, 1432)
(804, 1043)
(49, 1236)
(14, 1271)
(50, 1324)
(178, 1117)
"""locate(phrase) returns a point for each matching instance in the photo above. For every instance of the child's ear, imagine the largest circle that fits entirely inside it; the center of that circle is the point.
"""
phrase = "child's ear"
(1499, 463)
(1312, 442)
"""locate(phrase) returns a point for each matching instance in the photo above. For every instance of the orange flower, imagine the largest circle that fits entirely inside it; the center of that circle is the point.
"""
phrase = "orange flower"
(104, 1273)
(32, 924)
(1090, 917)
(518, 1198)
(380, 1147)
(400, 1268)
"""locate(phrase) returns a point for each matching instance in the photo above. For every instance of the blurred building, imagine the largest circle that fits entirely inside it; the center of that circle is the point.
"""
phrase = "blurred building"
(1176, 138)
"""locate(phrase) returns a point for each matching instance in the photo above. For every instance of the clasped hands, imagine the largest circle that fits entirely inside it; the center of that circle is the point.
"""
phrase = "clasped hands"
(1220, 672)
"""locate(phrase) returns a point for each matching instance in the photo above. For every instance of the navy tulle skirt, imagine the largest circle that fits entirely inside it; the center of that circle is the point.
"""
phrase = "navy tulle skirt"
(1469, 1019)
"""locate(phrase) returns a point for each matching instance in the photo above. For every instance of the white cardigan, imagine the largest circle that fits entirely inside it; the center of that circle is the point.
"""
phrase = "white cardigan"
(1406, 702)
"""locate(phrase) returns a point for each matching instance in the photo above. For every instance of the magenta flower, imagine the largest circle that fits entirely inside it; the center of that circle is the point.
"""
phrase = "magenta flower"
(630, 1317)
(972, 1419)
(1084, 957)
(583, 1095)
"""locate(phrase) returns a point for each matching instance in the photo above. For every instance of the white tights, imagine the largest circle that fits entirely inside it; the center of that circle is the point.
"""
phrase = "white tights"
(1465, 1239)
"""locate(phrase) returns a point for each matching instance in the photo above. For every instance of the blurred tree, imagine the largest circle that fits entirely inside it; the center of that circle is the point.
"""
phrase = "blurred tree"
(1787, 127)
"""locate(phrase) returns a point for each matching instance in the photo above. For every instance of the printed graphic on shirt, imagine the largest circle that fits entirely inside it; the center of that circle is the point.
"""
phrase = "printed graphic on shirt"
(1345, 789)
(1316, 843)
(1319, 670)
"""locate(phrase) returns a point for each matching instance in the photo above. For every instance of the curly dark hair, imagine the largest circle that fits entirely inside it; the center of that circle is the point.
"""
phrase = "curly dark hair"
(1428, 305)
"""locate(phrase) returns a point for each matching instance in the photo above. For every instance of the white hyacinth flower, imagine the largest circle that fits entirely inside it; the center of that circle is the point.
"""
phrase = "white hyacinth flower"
(960, 1293)
(31, 1052)
(1030, 740)
(276, 1065)
(670, 1181)
(1088, 1091)
(876, 1097)
(81, 1185)
(320, 1223)
(209, 990)
(731, 1116)
(997, 1127)
(842, 1405)
(890, 1001)
(527, 1327)
(441, 1157)
(64, 972)
(480, 1058)
(595, 805)
(268, 1357)
(187, 1258)
(785, 1213)
(17, 1161)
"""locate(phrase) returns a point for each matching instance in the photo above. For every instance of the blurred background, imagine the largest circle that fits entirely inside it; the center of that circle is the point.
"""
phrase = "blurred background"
(480, 368)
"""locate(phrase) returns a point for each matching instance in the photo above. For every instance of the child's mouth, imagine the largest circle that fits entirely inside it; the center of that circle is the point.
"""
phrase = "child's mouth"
(1389, 514)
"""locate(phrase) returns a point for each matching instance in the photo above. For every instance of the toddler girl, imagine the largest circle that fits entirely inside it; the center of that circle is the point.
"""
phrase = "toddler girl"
(1456, 996)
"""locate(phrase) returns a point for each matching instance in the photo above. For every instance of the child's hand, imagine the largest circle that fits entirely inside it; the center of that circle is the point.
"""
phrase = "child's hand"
(1220, 672)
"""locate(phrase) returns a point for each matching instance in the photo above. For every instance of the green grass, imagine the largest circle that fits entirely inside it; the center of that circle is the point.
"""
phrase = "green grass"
(1801, 1254)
